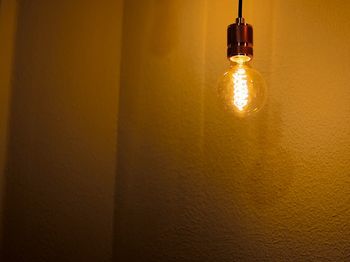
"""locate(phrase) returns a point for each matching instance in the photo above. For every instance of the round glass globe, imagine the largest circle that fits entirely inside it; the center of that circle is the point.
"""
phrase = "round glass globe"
(242, 89)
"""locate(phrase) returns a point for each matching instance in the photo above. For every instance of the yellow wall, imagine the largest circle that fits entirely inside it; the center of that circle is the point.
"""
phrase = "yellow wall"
(62, 147)
(196, 185)
(193, 183)
(8, 17)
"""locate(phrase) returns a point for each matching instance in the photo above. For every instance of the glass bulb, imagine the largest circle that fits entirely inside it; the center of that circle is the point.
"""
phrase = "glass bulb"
(242, 89)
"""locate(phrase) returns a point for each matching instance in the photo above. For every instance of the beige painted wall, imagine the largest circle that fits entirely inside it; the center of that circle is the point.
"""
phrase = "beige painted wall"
(195, 184)
(8, 10)
(62, 150)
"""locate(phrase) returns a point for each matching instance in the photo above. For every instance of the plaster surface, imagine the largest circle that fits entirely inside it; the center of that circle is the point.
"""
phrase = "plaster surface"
(60, 179)
(195, 184)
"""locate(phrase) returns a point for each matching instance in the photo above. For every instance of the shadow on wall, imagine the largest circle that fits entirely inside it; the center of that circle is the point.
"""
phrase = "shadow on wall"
(248, 174)
(8, 18)
(270, 170)
(62, 148)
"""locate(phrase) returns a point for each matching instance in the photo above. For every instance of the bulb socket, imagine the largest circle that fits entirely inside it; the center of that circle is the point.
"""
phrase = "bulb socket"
(239, 39)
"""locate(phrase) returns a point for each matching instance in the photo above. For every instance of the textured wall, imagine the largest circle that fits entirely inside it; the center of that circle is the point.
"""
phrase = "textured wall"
(8, 10)
(62, 149)
(195, 184)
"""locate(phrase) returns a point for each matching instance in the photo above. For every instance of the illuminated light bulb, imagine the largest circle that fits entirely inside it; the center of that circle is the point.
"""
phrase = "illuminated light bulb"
(242, 89)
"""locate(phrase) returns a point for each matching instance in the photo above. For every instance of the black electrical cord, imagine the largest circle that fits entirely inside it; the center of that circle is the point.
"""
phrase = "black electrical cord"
(240, 7)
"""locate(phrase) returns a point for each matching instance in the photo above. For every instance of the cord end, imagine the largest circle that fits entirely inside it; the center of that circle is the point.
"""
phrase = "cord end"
(240, 20)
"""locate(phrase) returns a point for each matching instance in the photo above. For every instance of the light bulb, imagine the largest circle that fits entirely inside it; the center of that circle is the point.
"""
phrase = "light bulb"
(242, 90)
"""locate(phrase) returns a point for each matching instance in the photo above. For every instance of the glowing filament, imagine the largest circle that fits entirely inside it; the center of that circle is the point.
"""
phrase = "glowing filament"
(240, 89)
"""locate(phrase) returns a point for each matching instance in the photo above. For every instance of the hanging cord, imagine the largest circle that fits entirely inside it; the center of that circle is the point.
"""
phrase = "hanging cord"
(240, 7)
